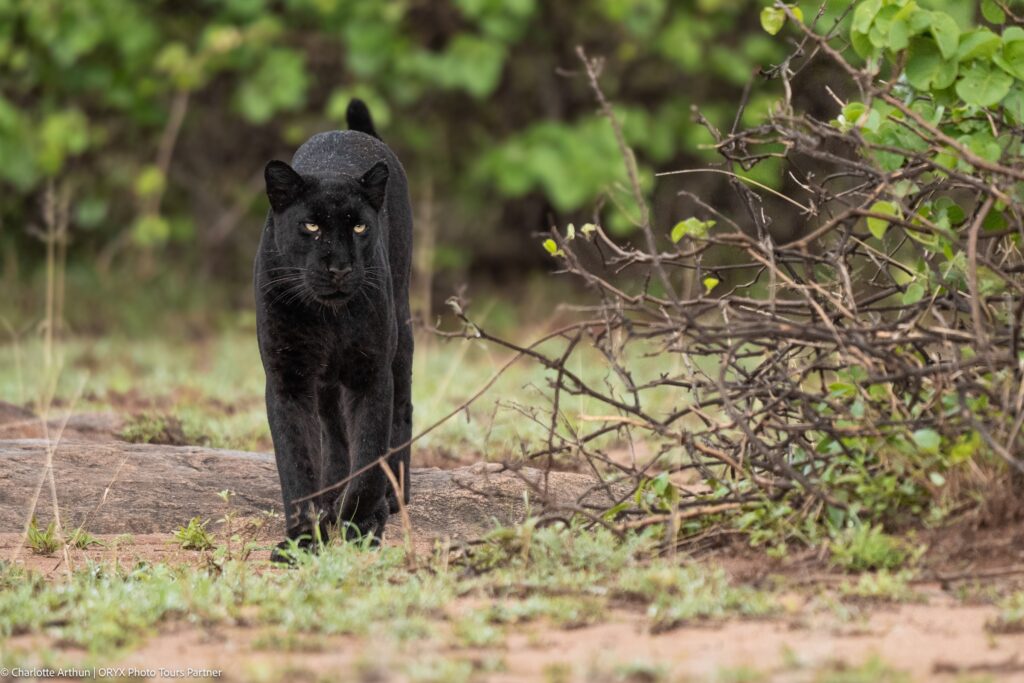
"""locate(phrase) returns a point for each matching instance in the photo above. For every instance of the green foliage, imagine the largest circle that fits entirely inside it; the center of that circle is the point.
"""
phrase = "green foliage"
(774, 18)
(865, 548)
(82, 539)
(883, 585)
(941, 52)
(468, 91)
(691, 227)
(194, 535)
(1011, 615)
(42, 541)
(152, 427)
(878, 226)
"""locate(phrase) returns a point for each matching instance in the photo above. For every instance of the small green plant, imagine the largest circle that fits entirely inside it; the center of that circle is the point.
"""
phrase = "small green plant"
(82, 539)
(154, 428)
(1011, 615)
(868, 548)
(440, 670)
(564, 611)
(194, 536)
(42, 541)
(882, 586)
(475, 630)
(740, 674)
(282, 640)
(874, 670)
(557, 672)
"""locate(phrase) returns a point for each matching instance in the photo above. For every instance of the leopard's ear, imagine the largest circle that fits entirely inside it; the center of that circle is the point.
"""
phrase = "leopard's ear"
(284, 185)
(374, 182)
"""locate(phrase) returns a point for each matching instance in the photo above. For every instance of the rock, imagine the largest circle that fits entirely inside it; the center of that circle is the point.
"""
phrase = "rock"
(118, 487)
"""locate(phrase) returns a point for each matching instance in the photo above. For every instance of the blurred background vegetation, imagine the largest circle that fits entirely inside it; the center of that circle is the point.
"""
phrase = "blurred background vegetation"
(150, 122)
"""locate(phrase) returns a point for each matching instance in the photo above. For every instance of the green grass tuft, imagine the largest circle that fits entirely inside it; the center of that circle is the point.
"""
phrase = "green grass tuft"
(194, 536)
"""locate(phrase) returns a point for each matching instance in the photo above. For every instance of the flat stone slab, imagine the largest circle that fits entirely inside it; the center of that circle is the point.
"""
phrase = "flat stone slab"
(116, 487)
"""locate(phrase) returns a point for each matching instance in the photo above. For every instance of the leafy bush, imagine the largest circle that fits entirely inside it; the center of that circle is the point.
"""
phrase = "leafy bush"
(854, 377)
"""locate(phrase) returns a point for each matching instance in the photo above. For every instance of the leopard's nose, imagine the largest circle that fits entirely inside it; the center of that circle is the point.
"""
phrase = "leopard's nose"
(340, 274)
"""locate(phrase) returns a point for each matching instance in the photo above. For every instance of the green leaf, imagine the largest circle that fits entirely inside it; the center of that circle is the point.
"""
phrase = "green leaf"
(151, 230)
(149, 182)
(992, 12)
(914, 293)
(946, 32)
(861, 45)
(1013, 105)
(1011, 59)
(552, 247)
(982, 85)
(865, 14)
(899, 35)
(927, 440)
(278, 84)
(980, 44)
(710, 282)
(691, 227)
(772, 19)
(926, 69)
(878, 226)
(983, 144)
(937, 479)
(1013, 34)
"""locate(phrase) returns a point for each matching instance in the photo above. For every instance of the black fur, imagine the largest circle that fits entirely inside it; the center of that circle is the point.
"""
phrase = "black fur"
(332, 316)
(358, 118)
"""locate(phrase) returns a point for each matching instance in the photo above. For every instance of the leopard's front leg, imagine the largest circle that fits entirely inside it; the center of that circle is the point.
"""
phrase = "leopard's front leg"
(368, 409)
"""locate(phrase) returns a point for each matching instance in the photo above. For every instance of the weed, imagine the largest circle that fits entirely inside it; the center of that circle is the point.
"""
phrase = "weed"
(557, 672)
(740, 674)
(194, 536)
(867, 548)
(564, 611)
(440, 670)
(43, 541)
(154, 428)
(283, 640)
(883, 586)
(1011, 615)
(977, 593)
(82, 539)
(872, 671)
(476, 630)
(680, 594)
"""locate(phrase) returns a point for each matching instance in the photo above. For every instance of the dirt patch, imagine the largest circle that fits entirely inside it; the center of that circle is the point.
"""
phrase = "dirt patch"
(938, 641)
(122, 549)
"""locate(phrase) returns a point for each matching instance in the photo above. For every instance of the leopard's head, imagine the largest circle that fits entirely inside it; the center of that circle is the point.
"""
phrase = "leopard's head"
(327, 232)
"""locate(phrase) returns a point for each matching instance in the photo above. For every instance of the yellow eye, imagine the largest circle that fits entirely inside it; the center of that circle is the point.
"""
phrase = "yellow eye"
(359, 229)
(311, 227)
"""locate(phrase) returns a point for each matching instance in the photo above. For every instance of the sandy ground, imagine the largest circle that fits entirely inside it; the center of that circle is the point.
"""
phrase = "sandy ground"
(938, 641)
(942, 638)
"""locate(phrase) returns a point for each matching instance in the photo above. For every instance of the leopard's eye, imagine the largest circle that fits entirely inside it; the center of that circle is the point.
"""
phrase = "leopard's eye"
(359, 229)
(311, 227)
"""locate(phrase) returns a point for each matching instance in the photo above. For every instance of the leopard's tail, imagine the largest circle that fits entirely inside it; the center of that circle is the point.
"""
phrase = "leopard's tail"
(358, 118)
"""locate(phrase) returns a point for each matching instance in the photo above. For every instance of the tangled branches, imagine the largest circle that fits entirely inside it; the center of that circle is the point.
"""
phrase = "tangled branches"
(868, 370)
